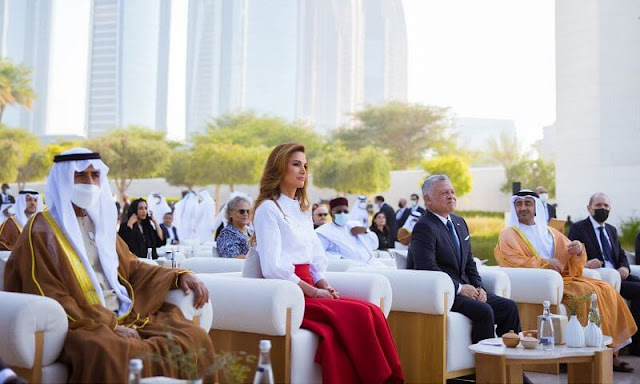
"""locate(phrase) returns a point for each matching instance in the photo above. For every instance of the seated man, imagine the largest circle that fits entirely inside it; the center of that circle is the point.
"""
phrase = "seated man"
(319, 216)
(114, 302)
(440, 242)
(9, 228)
(170, 232)
(529, 243)
(342, 239)
(604, 250)
(28, 204)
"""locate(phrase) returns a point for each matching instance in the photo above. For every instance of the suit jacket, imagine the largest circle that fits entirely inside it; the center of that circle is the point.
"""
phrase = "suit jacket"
(583, 231)
(8, 198)
(551, 209)
(433, 249)
(165, 231)
(406, 214)
(392, 223)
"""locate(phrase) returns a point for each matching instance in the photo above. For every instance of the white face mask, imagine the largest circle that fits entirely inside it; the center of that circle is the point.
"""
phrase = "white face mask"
(8, 192)
(85, 196)
(363, 205)
(544, 197)
(414, 203)
(341, 219)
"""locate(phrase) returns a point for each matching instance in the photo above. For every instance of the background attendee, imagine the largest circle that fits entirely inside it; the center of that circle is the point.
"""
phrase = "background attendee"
(380, 228)
(125, 208)
(320, 216)
(359, 213)
(28, 204)
(141, 232)
(6, 195)
(234, 237)
(355, 333)
(389, 214)
(441, 242)
(169, 231)
(402, 207)
(414, 206)
(347, 240)
(207, 217)
(604, 250)
(9, 227)
(550, 209)
(158, 204)
(185, 217)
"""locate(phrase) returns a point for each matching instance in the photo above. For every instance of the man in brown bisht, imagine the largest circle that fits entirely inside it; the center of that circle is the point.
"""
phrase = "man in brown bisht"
(114, 303)
(528, 242)
(9, 228)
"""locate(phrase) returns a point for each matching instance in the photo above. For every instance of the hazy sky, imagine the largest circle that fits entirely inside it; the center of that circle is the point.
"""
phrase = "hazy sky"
(490, 58)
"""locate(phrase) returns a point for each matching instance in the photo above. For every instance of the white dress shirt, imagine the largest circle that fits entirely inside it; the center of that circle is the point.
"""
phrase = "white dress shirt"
(285, 237)
(596, 229)
(339, 243)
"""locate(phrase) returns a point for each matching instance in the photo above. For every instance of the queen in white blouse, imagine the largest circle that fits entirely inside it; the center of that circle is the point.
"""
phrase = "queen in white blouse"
(355, 343)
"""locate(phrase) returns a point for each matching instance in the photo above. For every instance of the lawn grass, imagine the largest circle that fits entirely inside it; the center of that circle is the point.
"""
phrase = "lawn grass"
(485, 231)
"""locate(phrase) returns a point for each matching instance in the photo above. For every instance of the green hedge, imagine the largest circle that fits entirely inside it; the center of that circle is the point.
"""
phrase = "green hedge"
(629, 229)
(482, 247)
(466, 214)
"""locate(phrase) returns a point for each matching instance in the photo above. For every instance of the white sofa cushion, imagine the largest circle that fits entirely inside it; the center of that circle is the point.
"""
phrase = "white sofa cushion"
(416, 291)
(400, 257)
(55, 373)
(342, 265)
(212, 264)
(592, 273)
(495, 281)
(611, 276)
(458, 341)
(370, 287)
(531, 285)
(185, 303)
(254, 305)
(304, 344)
(21, 317)
(251, 267)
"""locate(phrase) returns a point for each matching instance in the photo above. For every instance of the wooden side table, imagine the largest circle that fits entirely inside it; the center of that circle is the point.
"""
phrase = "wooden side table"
(496, 363)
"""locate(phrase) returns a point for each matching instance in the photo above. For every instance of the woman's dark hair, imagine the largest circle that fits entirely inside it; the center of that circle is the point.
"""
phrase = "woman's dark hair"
(133, 208)
(373, 222)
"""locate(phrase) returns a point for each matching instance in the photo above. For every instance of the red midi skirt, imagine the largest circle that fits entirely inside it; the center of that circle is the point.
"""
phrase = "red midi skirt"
(356, 345)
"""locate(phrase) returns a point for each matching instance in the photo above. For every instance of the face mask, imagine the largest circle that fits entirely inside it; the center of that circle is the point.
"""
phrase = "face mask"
(601, 215)
(363, 205)
(341, 219)
(413, 203)
(85, 196)
(8, 191)
(378, 206)
(544, 197)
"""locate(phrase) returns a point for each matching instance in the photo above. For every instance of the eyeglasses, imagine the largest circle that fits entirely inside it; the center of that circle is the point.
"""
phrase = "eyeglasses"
(341, 211)
(243, 211)
(322, 214)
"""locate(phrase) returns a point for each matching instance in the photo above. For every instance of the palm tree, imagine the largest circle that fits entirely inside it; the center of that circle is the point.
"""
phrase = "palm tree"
(15, 87)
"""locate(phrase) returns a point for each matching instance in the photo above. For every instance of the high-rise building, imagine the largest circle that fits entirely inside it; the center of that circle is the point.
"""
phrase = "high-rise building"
(315, 61)
(128, 65)
(25, 36)
(597, 105)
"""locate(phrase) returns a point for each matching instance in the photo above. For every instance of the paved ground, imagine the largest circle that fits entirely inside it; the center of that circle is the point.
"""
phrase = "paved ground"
(618, 378)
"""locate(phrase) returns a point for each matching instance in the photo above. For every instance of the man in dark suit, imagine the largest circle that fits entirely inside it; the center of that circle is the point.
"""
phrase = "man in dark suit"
(389, 214)
(6, 196)
(414, 206)
(169, 231)
(441, 242)
(543, 195)
(604, 250)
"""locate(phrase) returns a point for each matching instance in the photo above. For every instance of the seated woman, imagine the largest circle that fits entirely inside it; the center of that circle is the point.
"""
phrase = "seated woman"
(234, 238)
(380, 228)
(141, 231)
(355, 342)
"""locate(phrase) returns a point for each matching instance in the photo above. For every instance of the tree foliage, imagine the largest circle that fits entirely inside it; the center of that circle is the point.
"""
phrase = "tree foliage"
(34, 169)
(363, 171)
(133, 153)
(456, 167)
(405, 131)
(15, 86)
(10, 160)
(532, 173)
(28, 163)
(505, 150)
(228, 164)
(250, 130)
(181, 169)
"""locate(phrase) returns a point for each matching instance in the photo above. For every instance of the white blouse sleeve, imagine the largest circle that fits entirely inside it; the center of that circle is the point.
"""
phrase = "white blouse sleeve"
(269, 244)
(319, 260)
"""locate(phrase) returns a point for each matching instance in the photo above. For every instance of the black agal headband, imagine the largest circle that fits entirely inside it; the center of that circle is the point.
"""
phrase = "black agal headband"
(76, 156)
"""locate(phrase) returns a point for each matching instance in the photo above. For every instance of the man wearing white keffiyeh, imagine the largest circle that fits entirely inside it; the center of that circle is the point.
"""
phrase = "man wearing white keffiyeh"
(114, 302)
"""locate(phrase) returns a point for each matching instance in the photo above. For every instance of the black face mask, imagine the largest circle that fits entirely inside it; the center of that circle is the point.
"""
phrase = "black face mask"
(601, 214)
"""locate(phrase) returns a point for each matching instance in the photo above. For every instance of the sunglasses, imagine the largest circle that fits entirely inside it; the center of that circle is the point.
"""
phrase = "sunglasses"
(341, 211)
(243, 211)
(322, 214)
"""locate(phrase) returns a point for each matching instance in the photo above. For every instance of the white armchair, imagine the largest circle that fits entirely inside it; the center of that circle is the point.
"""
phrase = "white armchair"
(432, 341)
(247, 310)
(212, 264)
(33, 329)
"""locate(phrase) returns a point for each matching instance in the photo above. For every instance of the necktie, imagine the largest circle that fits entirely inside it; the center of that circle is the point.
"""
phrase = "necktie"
(454, 239)
(606, 247)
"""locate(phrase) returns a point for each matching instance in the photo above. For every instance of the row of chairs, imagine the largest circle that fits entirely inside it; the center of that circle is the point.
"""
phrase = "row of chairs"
(432, 341)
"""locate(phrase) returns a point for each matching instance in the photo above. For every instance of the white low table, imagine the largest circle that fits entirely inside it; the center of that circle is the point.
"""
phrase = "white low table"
(496, 363)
